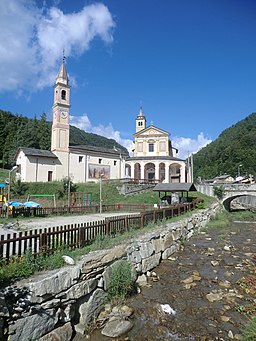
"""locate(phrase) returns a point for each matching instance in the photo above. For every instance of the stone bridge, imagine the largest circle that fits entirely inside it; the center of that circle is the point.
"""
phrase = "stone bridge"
(231, 192)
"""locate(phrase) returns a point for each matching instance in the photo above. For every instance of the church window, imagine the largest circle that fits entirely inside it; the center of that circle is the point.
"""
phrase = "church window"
(151, 147)
(100, 160)
(63, 94)
(80, 159)
(139, 123)
(114, 163)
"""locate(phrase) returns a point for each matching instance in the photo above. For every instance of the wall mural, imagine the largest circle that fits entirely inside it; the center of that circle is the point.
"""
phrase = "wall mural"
(95, 171)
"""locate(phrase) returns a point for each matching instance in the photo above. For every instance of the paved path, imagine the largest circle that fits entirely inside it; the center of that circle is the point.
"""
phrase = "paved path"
(17, 225)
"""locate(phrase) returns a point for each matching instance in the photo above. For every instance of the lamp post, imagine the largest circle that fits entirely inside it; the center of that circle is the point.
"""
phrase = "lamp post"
(14, 169)
(238, 169)
(101, 175)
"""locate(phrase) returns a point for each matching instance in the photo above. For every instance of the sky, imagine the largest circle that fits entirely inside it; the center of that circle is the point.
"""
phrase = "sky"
(190, 64)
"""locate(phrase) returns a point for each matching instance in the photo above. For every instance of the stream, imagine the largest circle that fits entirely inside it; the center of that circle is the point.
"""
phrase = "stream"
(202, 284)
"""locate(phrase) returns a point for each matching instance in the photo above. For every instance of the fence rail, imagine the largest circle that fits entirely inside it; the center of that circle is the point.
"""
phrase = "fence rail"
(78, 235)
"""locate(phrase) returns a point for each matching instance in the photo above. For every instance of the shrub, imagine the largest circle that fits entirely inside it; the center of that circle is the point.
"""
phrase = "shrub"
(121, 283)
(218, 192)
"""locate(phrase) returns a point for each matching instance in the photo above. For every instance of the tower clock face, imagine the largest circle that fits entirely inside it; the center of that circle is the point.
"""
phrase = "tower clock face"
(63, 114)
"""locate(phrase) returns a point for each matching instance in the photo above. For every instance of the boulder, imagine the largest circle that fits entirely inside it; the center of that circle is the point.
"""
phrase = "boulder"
(62, 333)
(91, 309)
(151, 262)
(116, 327)
(34, 326)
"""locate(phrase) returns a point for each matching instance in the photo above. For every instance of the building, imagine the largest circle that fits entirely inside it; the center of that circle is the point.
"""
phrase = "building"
(80, 163)
(154, 157)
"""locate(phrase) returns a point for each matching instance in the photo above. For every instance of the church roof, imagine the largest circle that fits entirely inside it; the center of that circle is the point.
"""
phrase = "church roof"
(141, 114)
(91, 149)
(62, 76)
(37, 152)
(148, 158)
(175, 187)
(151, 127)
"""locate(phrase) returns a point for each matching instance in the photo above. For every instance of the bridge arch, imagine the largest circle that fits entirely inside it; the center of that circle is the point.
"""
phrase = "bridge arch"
(227, 201)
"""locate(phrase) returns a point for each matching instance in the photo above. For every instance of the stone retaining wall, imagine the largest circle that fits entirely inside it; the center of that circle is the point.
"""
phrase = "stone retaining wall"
(57, 304)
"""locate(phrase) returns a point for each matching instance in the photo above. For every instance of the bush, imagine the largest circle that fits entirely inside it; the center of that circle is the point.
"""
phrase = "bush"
(218, 192)
(121, 283)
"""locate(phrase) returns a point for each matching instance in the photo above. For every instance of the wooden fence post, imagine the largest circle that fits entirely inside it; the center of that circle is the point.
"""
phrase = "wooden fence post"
(107, 227)
(142, 219)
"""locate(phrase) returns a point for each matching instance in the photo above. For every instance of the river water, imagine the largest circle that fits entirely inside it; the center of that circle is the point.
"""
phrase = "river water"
(200, 283)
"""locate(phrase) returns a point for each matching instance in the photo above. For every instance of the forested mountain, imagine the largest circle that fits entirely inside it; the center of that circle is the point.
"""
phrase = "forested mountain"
(18, 131)
(235, 146)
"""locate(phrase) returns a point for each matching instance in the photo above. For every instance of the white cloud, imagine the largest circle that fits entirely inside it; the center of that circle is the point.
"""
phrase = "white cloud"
(186, 145)
(34, 39)
(83, 122)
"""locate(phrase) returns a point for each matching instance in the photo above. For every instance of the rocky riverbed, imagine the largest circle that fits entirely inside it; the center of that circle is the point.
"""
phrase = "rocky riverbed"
(208, 289)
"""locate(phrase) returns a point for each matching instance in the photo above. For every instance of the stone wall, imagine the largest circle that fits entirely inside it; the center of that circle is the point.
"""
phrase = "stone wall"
(57, 304)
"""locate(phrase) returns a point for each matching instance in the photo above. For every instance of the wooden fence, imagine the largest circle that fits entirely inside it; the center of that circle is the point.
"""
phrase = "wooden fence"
(50, 211)
(79, 235)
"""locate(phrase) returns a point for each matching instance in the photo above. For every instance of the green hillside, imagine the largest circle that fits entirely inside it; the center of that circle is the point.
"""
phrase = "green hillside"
(19, 131)
(235, 146)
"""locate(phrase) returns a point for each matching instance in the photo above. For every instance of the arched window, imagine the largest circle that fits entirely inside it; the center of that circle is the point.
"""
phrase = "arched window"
(63, 94)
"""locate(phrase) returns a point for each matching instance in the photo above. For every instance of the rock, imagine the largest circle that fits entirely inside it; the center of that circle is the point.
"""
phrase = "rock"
(225, 318)
(90, 310)
(230, 334)
(142, 280)
(61, 333)
(190, 285)
(68, 260)
(51, 283)
(151, 262)
(167, 309)
(225, 284)
(227, 248)
(214, 297)
(116, 327)
(215, 263)
(188, 280)
(238, 337)
(33, 326)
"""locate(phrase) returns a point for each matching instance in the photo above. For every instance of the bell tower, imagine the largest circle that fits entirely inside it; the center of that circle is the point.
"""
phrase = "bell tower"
(140, 121)
(60, 111)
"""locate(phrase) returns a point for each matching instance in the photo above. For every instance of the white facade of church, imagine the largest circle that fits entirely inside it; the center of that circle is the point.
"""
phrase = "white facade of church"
(154, 158)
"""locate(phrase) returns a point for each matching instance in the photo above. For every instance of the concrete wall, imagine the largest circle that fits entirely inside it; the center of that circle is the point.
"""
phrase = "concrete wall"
(55, 304)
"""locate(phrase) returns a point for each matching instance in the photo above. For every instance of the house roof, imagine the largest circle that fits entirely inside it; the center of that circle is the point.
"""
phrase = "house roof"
(36, 152)
(175, 187)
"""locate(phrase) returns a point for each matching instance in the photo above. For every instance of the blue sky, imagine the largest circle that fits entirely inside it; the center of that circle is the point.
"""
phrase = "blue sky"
(190, 63)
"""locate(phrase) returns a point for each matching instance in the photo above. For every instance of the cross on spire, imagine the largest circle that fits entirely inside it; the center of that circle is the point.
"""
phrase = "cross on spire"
(63, 56)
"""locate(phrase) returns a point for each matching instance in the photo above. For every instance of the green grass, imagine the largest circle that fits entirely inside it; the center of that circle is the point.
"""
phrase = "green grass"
(249, 332)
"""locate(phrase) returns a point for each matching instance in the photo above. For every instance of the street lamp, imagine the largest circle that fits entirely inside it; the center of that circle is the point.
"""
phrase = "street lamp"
(14, 169)
(101, 175)
(238, 169)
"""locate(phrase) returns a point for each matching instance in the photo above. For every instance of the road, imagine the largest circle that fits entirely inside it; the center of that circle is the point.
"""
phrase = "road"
(17, 225)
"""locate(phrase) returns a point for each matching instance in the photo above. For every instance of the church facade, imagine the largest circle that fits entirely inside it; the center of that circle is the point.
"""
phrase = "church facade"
(154, 158)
